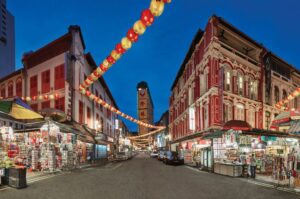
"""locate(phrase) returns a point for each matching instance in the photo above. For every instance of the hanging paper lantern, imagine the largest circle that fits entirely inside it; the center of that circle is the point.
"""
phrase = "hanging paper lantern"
(126, 43)
(90, 78)
(115, 55)
(92, 96)
(88, 93)
(120, 49)
(40, 97)
(99, 70)
(110, 59)
(139, 27)
(28, 99)
(96, 74)
(106, 64)
(83, 91)
(94, 77)
(290, 97)
(56, 95)
(46, 97)
(147, 17)
(167, 1)
(157, 7)
(132, 36)
(102, 68)
(34, 98)
(51, 96)
(286, 101)
(23, 98)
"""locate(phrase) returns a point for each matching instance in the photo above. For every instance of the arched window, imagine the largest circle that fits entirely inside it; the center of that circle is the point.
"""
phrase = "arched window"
(252, 89)
(284, 94)
(3, 91)
(276, 94)
(10, 89)
(240, 83)
(19, 87)
(227, 80)
(240, 112)
(251, 116)
(227, 113)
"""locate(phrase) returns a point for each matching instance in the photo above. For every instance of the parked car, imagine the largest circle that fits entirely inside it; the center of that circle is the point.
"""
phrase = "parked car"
(161, 155)
(121, 156)
(154, 154)
(173, 157)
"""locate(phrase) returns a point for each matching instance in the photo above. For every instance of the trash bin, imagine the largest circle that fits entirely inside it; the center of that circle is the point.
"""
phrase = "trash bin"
(17, 178)
(4, 174)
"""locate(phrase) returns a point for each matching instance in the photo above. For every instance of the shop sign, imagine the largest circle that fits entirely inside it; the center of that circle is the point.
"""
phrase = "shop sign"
(100, 136)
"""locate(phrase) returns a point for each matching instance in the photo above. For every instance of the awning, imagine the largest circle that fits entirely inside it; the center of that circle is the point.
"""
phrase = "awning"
(211, 135)
(295, 128)
(284, 118)
(237, 125)
(261, 132)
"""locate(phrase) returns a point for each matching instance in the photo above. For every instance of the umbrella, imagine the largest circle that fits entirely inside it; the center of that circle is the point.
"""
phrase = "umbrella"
(284, 118)
(18, 109)
(237, 125)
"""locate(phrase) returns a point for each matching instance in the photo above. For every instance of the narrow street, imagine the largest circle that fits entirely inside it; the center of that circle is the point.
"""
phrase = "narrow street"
(142, 178)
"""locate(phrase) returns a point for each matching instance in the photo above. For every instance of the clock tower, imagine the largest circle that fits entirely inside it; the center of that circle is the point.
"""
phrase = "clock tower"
(144, 106)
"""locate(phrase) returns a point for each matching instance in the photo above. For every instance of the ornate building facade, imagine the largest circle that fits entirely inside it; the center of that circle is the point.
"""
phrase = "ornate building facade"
(226, 76)
(50, 79)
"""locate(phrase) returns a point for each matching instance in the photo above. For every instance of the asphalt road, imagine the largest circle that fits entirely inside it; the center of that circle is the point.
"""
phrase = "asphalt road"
(143, 178)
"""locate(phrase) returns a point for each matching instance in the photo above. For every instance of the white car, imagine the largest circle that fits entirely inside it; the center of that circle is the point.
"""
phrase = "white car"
(121, 156)
(153, 154)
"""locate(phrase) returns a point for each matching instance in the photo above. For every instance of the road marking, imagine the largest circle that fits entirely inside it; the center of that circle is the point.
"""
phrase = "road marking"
(30, 181)
(119, 165)
(194, 169)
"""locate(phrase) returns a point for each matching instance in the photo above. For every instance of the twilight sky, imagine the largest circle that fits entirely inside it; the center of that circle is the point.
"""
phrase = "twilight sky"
(158, 54)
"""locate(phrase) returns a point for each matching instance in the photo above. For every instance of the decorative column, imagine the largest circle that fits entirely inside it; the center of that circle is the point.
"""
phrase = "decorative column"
(234, 81)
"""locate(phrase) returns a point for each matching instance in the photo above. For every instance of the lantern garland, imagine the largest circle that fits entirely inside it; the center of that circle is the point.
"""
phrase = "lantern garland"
(147, 134)
(114, 110)
(280, 104)
(147, 18)
(51, 96)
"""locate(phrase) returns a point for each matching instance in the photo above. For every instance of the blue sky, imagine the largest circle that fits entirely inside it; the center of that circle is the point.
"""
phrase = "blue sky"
(158, 54)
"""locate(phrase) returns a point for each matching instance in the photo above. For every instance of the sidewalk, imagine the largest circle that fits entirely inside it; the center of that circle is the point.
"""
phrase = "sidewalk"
(258, 181)
(38, 175)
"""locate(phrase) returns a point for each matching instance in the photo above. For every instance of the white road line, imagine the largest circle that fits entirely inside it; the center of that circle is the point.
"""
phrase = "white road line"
(194, 169)
(114, 168)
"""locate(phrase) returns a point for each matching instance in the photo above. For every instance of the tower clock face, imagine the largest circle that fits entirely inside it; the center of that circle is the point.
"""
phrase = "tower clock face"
(142, 92)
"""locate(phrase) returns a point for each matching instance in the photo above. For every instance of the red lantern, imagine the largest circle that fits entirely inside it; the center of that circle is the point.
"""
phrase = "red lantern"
(96, 73)
(103, 68)
(132, 36)
(120, 49)
(34, 98)
(88, 93)
(111, 60)
(167, 1)
(46, 97)
(147, 17)
(90, 78)
(56, 95)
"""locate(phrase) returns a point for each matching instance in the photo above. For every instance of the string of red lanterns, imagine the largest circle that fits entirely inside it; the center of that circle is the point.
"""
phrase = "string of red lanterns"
(147, 18)
(52, 96)
(147, 134)
(114, 110)
(281, 103)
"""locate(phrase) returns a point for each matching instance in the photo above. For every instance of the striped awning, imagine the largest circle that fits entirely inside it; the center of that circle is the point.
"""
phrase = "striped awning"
(295, 128)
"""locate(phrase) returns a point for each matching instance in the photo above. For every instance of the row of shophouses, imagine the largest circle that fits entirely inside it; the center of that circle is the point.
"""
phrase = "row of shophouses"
(50, 79)
(226, 76)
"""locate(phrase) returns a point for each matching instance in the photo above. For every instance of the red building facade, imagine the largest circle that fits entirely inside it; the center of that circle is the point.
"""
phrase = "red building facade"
(223, 78)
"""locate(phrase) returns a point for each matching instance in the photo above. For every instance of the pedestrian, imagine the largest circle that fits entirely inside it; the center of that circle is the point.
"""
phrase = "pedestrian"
(253, 166)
